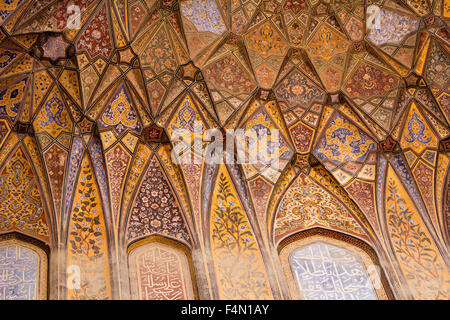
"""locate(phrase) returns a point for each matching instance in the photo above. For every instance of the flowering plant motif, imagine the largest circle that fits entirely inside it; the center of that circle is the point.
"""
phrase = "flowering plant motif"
(87, 240)
(414, 248)
(156, 209)
(240, 274)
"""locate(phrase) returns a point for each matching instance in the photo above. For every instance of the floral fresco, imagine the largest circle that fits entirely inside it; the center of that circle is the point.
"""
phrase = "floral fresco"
(178, 149)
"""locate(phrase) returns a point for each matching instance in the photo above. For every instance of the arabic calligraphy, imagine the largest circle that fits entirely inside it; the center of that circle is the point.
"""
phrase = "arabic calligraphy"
(327, 272)
(19, 272)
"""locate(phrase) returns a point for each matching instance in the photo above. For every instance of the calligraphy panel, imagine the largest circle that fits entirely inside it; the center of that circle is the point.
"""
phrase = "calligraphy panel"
(23, 271)
(322, 268)
(327, 272)
(160, 272)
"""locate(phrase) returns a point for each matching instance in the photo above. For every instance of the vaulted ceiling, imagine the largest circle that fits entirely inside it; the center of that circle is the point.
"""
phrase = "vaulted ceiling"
(355, 88)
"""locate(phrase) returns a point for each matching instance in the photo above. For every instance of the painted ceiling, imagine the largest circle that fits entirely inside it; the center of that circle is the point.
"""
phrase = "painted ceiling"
(361, 99)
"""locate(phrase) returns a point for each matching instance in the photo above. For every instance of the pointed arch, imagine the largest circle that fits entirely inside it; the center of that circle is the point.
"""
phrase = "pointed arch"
(26, 260)
(161, 269)
(303, 255)
(307, 203)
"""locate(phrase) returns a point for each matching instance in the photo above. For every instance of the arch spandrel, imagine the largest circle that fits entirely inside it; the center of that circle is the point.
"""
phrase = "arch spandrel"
(239, 268)
(412, 243)
(87, 241)
(23, 208)
(156, 208)
(307, 204)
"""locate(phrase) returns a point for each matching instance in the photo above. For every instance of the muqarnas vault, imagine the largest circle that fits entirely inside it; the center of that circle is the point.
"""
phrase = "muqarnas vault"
(92, 205)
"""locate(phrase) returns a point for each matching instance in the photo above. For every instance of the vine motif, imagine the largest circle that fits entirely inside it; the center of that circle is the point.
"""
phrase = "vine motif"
(240, 272)
(412, 246)
(87, 240)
